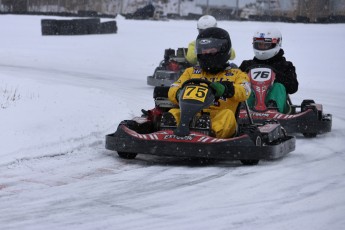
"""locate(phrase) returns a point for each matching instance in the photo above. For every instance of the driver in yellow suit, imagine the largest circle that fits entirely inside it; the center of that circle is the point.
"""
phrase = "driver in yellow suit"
(204, 22)
(231, 85)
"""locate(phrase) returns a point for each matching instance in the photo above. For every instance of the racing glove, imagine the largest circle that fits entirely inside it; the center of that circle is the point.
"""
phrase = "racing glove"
(223, 89)
(230, 89)
(219, 88)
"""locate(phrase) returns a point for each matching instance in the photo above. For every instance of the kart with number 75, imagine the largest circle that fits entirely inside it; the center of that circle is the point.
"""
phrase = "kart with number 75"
(147, 135)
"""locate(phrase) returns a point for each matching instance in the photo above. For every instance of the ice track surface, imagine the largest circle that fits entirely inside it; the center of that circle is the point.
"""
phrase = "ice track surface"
(56, 174)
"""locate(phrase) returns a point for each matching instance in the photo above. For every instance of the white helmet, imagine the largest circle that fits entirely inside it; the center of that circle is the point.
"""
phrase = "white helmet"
(266, 43)
(206, 21)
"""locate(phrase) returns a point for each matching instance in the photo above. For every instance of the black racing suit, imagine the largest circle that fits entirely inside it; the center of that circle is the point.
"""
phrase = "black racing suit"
(285, 70)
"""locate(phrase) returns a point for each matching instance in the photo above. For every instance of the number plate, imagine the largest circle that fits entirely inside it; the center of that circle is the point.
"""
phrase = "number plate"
(195, 92)
(261, 74)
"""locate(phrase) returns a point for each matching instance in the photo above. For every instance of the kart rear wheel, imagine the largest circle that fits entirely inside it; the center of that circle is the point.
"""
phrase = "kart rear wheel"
(126, 155)
(306, 103)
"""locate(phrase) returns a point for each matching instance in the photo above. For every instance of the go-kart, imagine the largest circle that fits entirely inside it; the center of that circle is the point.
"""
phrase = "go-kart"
(148, 135)
(170, 69)
(307, 118)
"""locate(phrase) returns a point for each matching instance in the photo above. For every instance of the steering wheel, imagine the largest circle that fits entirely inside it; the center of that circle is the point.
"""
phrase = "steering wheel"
(198, 81)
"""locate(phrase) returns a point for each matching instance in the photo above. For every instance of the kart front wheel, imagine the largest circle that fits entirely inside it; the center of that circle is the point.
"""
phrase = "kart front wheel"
(126, 155)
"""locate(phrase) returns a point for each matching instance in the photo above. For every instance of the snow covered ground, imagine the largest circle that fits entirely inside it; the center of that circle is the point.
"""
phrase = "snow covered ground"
(70, 91)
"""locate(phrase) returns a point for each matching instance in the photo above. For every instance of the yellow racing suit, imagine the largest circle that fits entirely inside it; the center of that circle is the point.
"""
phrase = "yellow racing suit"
(222, 112)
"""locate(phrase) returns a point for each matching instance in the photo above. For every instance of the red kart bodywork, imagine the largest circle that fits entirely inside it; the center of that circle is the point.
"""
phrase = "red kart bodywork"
(307, 118)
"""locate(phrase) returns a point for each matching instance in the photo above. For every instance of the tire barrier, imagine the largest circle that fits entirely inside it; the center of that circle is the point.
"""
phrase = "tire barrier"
(77, 26)
(61, 14)
(302, 19)
(109, 27)
(49, 27)
(145, 12)
(87, 13)
(331, 19)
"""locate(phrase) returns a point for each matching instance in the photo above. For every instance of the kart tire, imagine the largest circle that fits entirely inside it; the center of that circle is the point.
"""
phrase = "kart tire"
(309, 135)
(306, 103)
(125, 155)
(249, 162)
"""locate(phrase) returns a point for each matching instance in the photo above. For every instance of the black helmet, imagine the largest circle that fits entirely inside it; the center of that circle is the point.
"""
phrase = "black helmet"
(213, 47)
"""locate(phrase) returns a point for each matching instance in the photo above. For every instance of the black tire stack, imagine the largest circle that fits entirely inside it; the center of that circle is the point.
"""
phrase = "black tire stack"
(77, 26)
(109, 27)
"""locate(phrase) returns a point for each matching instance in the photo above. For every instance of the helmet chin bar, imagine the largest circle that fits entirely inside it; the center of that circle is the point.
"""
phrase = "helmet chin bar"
(213, 63)
(266, 54)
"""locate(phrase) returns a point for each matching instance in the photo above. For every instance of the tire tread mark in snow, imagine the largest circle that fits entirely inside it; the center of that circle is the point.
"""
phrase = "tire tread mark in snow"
(80, 145)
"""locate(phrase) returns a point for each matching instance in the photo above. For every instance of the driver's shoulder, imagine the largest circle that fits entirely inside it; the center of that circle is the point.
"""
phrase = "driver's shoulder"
(194, 69)
(234, 70)
(246, 64)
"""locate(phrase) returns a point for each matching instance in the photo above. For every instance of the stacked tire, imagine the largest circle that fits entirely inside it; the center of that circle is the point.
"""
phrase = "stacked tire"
(77, 26)
(108, 27)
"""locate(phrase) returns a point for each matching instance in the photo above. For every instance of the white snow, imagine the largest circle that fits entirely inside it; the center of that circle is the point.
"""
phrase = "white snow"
(73, 90)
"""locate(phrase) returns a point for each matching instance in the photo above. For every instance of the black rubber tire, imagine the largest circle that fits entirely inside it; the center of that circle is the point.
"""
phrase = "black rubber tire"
(306, 103)
(49, 26)
(126, 155)
(309, 135)
(109, 27)
(249, 162)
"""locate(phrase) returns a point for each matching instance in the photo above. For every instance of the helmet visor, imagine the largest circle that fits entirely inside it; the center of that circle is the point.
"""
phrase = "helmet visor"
(264, 43)
(211, 45)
